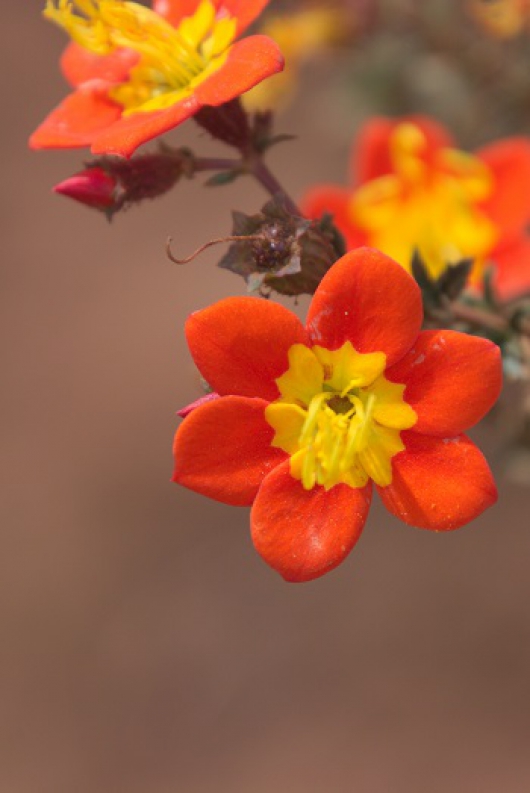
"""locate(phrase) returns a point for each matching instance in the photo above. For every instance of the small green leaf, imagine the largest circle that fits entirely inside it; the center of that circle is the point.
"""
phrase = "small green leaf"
(222, 178)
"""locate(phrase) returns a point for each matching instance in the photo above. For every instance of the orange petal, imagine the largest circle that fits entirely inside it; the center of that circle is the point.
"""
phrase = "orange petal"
(369, 300)
(240, 345)
(78, 119)
(335, 201)
(305, 533)
(223, 450)
(451, 379)
(124, 137)
(249, 62)
(371, 153)
(439, 484)
(512, 278)
(175, 10)
(79, 65)
(509, 203)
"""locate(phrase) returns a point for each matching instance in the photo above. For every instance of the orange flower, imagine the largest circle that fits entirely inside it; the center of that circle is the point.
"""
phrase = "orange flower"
(414, 190)
(138, 72)
(308, 417)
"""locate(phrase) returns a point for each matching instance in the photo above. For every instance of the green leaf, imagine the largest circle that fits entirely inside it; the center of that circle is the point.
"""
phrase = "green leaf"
(222, 178)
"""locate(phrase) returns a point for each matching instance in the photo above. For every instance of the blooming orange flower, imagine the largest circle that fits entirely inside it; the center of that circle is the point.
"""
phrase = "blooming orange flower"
(414, 190)
(138, 72)
(307, 418)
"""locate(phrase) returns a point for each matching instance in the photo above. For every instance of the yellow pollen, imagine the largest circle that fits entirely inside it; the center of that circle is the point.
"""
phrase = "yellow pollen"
(429, 202)
(339, 417)
(171, 61)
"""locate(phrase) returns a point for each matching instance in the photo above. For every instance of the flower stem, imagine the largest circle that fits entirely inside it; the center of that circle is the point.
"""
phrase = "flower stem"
(267, 180)
(251, 136)
(252, 165)
(489, 320)
(215, 164)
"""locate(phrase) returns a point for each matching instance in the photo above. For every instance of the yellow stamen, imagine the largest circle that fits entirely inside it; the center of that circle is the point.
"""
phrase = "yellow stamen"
(338, 417)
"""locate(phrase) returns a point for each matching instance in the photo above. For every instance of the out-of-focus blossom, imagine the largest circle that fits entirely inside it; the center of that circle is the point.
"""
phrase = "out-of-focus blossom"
(413, 190)
(306, 418)
(503, 19)
(301, 35)
(138, 72)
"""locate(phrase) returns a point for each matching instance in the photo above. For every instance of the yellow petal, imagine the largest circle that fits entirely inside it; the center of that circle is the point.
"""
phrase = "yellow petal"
(376, 203)
(376, 458)
(346, 368)
(474, 176)
(287, 422)
(407, 144)
(195, 28)
(222, 36)
(304, 378)
(390, 409)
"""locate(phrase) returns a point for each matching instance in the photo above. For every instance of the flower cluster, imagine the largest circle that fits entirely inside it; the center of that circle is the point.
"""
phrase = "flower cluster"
(302, 422)
(306, 418)
(414, 191)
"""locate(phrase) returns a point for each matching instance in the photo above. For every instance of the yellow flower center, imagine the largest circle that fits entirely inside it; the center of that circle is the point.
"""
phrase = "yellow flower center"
(429, 202)
(172, 61)
(339, 417)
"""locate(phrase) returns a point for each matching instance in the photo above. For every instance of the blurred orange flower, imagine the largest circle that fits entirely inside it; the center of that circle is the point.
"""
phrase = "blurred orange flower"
(138, 72)
(503, 19)
(305, 418)
(301, 35)
(412, 189)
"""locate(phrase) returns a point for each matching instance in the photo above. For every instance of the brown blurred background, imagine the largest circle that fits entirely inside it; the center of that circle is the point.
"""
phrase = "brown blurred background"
(145, 646)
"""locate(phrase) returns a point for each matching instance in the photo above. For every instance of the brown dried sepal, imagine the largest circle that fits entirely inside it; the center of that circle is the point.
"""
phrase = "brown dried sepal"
(288, 254)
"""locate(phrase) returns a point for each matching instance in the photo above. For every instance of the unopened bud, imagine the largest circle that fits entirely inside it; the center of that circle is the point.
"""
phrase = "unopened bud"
(92, 187)
(111, 184)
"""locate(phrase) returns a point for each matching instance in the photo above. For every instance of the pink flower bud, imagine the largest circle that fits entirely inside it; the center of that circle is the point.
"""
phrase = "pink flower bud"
(112, 184)
(92, 187)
